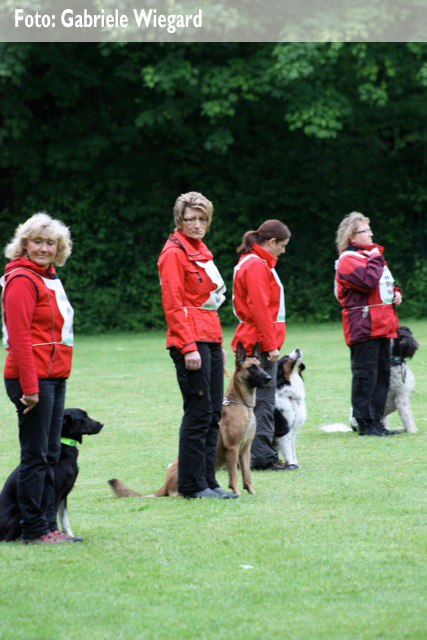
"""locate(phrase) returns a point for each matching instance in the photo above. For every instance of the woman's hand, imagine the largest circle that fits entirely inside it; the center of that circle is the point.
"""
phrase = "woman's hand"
(224, 357)
(30, 401)
(273, 355)
(373, 252)
(397, 298)
(193, 361)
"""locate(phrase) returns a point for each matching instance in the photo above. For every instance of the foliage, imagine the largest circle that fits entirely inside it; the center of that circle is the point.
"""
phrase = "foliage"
(332, 551)
(416, 301)
(105, 136)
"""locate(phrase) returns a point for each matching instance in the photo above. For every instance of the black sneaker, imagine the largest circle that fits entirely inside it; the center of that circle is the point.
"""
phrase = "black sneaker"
(379, 431)
(277, 465)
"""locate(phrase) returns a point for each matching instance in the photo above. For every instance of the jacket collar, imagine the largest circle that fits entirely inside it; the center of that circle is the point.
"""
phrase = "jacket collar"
(22, 262)
(265, 255)
(195, 250)
(365, 247)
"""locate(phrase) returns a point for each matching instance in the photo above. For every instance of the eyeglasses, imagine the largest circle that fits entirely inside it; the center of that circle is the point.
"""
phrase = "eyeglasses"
(203, 221)
(368, 230)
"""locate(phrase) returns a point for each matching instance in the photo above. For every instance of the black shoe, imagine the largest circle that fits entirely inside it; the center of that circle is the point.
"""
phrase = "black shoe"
(364, 427)
(276, 465)
(224, 494)
(379, 431)
(205, 493)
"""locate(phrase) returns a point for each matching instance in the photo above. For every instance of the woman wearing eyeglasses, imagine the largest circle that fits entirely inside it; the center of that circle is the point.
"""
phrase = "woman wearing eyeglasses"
(192, 292)
(366, 290)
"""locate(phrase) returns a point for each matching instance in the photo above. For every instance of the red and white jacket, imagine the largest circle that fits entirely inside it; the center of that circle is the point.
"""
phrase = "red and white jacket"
(365, 289)
(192, 291)
(37, 324)
(258, 301)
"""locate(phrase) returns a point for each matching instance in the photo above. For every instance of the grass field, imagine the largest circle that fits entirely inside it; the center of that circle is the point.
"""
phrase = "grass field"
(336, 550)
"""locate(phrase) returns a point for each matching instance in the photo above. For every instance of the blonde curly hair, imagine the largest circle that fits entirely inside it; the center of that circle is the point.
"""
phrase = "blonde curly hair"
(347, 229)
(40, 225)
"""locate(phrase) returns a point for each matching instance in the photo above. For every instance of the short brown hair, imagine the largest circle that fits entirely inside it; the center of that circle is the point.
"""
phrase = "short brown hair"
(193, 200)
(347, 229)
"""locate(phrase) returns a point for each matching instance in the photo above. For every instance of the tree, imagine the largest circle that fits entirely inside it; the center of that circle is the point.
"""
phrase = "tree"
(105, 136)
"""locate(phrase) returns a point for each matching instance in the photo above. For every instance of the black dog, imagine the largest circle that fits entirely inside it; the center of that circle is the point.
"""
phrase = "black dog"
(76, 424)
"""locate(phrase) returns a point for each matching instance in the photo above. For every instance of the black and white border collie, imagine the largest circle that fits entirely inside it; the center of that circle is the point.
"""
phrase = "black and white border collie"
(290, 411)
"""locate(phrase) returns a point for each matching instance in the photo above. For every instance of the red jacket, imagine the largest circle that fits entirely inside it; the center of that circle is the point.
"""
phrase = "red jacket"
(192, 291)
(38, 322)
(258, 301)
(365, 288)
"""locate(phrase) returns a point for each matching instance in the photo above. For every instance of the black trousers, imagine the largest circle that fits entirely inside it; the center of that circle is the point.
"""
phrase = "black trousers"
(262, 451)
(370, 365)
(202, 393)
(40, 440)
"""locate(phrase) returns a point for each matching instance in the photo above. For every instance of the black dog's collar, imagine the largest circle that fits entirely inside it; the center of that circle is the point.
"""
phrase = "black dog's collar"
(397, 361)
(71, 443)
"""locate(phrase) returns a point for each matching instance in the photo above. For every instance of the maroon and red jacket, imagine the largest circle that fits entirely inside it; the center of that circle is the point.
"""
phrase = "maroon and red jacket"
(365, 289)
(258, 301)
(192, 291)
(37, 330)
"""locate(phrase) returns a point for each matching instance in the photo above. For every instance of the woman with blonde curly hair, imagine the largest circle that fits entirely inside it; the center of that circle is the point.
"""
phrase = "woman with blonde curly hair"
(38, 335)
(367, 293)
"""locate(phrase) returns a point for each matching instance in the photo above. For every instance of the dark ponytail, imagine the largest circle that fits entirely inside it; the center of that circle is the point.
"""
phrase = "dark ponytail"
(269, 229)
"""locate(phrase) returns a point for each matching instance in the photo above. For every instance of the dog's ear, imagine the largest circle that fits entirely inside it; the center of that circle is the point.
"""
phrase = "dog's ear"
(240, 354)
(405, 345)
(67, 424)
(256, 351)
(301, 368)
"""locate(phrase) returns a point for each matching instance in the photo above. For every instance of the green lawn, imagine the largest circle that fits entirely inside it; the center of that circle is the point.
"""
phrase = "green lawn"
(336, 550)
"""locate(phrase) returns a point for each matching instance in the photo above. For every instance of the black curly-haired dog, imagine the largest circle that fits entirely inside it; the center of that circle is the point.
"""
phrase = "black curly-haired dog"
(75, 425)
(402, 381)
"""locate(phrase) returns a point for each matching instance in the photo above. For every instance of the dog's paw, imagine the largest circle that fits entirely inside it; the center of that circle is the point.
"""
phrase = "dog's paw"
(412, 429)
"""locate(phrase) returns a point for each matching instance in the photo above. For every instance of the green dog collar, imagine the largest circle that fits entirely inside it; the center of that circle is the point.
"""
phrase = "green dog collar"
(71, 443)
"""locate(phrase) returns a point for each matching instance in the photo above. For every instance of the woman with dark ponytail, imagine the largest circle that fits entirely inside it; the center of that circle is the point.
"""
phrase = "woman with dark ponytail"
(259, 305)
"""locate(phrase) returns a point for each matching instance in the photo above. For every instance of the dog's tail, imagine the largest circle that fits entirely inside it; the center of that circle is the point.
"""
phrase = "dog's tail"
(336, 427)
(121, 491)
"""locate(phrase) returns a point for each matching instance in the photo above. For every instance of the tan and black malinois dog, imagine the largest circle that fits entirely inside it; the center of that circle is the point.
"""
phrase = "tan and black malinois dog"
(237, 425)
(236, 428)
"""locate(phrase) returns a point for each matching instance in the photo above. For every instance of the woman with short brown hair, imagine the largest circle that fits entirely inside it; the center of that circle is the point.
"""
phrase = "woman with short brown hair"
(192, 292)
